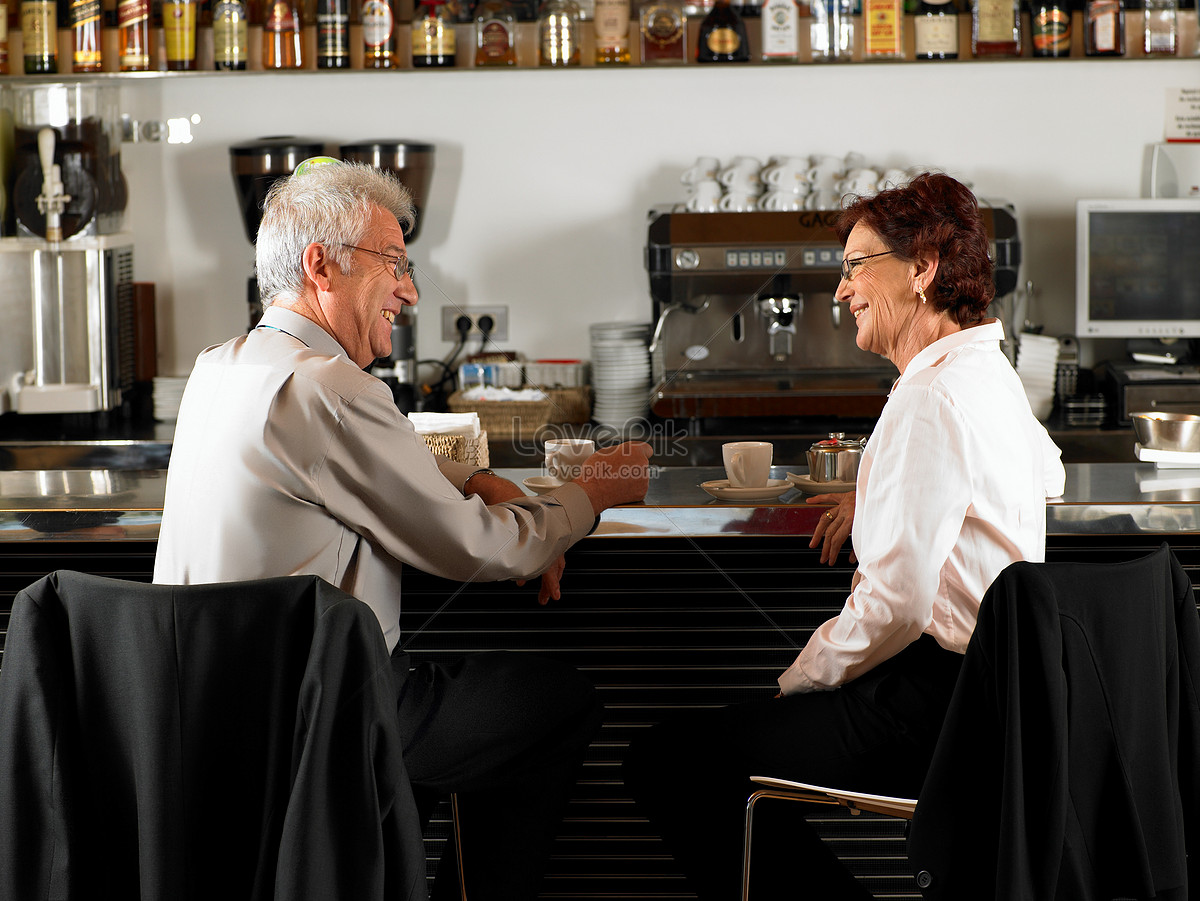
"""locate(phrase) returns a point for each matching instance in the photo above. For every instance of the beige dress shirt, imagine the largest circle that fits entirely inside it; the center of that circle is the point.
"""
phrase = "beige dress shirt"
(951, 489)
(290, 459)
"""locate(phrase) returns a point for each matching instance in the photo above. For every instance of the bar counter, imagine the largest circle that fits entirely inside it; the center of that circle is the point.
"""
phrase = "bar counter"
(684, 601)
(126, 505)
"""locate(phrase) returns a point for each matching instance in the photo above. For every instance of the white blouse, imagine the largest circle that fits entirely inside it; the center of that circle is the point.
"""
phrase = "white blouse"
(951, 489)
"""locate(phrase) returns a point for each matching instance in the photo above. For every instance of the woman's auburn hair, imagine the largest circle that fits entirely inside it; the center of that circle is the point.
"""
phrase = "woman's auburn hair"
(933, 213)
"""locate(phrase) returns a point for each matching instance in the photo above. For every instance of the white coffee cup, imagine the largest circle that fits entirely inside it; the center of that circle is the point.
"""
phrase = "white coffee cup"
(780, 201)
(824, 171)
(704, 196)
(742, 170)
(747, 463)
(565, 456)
(704, 168)
(789, 178)
(738, 202)
(853, 160)
(823, 200)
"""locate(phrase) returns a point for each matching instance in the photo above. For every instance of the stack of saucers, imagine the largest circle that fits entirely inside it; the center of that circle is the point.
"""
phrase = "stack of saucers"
(168, 392)
(620, 372)
(1037, 365)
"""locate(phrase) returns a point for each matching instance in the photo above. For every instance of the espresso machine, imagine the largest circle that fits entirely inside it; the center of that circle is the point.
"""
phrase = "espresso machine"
(745, 320)
(67, 329)
(259, 163)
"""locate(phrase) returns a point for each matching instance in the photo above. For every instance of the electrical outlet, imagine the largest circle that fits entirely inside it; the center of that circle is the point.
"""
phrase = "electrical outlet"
(499, 316)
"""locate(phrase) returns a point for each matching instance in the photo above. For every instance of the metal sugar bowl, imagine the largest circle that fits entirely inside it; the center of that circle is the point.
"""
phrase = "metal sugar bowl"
(836, 458)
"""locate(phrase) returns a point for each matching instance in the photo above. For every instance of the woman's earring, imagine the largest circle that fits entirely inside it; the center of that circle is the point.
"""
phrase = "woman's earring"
(921, 294)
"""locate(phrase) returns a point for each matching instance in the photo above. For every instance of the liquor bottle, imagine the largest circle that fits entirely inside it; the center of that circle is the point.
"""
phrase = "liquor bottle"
(495, 34)
(1160, 29)
(3, 55)
(996, 27)
(1103, 28)
(1050, 28)
(282, 26)
(179, 34)
(884, 24)
(39, 32)
(133, 31)
(780, 31)
(661, 25)
(85, 35)
(831, 30)
(558, 33)
(333, 34)
(935, 30)
(379, 35)
(231, 34)
(433, 39)
(612, 32)
(722, 36)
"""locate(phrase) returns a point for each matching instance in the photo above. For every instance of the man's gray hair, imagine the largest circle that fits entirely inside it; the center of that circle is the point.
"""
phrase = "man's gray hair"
(329, 205)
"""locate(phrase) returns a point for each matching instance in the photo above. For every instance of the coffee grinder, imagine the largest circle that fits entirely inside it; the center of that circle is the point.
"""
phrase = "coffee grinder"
(67, 325)
(412, 163)
(256, 166)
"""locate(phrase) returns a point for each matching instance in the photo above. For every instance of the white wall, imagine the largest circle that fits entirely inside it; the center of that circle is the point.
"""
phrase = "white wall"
(543, 178)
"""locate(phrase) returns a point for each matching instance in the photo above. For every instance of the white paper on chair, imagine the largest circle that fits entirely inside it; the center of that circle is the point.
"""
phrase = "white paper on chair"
(879, 803)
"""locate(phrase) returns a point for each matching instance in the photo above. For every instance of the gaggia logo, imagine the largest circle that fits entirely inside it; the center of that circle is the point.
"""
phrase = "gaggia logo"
(818, 218)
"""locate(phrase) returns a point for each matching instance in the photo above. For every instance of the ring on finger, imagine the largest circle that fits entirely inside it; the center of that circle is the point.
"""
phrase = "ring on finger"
(829, 515)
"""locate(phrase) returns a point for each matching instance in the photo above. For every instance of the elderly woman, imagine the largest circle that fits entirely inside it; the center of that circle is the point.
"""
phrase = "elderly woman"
(952, 488)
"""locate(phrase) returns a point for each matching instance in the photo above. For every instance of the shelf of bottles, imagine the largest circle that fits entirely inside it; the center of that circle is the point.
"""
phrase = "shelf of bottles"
(81, 37)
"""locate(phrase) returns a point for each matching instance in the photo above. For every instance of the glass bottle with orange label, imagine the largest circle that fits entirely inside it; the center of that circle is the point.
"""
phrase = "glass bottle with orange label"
(1050, 28)
(1103, 28)
(883, 29)
(379, 34)
(281, 30)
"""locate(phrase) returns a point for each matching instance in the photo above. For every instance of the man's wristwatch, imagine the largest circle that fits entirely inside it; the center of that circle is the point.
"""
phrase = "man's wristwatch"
(475, 473)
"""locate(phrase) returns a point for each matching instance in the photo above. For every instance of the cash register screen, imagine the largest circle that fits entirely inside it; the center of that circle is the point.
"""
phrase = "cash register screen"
(1137, 268)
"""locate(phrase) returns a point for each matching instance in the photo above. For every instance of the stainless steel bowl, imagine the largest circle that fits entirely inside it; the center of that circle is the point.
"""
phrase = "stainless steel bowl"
(1167, 431)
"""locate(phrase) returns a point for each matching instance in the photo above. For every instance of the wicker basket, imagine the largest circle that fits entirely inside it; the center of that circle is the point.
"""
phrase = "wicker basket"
(461, 448)
(570, 404)
(504, 418)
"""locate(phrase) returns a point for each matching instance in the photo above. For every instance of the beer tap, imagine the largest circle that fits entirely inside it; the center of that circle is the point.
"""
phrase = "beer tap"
(53, 200)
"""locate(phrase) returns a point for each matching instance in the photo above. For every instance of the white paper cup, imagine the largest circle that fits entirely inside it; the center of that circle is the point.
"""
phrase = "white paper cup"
(565, 456)
(747, 463)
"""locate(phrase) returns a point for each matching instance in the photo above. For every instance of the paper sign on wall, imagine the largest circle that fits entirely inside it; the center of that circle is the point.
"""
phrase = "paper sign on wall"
(1183, 114)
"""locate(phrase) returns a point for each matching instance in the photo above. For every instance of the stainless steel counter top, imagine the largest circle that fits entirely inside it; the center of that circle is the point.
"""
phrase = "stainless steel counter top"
(126, 505)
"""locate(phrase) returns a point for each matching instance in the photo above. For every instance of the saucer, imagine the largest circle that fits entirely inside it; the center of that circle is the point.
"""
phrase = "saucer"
(721, 490)
(808, 486)
(542, 484)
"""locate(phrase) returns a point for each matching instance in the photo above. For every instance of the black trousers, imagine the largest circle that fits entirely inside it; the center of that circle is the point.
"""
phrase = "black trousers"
(507, 733)
(691, 774)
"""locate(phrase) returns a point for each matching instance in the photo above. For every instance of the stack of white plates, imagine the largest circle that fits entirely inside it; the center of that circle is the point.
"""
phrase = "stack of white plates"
(620, 372)
(168, 392)
(1037, 365)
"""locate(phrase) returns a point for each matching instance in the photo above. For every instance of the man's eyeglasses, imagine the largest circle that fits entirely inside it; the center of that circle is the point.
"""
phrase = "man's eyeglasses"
(849, 266)
(402, 266)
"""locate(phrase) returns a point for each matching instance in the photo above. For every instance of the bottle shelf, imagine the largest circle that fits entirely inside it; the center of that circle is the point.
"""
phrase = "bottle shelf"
(1188, 46)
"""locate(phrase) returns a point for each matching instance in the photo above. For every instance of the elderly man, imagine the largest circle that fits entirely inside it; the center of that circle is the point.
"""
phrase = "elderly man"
(289, 458)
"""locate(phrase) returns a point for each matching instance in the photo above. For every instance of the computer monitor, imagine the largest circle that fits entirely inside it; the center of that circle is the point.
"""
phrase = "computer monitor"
(1137, 271)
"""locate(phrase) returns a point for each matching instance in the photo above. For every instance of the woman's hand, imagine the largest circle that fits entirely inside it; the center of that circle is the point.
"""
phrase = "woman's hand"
(834, 526)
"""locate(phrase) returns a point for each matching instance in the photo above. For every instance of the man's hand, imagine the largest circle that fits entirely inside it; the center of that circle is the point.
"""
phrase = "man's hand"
(619, 474)
(833, 528)
(550, 589)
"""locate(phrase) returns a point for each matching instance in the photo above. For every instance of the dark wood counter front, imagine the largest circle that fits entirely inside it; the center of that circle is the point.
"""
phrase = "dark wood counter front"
(683, 602)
